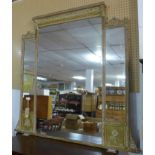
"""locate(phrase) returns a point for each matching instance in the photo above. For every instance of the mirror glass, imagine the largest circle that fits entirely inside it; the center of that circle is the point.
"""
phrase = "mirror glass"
(115, 75)
(69, 81)
(27, 108)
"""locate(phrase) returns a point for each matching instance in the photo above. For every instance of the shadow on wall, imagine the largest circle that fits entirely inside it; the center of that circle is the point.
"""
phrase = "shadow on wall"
(136, 114)
(15, 109)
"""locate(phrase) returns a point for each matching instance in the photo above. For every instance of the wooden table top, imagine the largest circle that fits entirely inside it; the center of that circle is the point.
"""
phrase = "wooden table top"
(33, 145)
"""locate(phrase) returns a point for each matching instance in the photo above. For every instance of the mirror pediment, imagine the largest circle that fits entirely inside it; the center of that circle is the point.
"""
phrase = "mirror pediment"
(91, 11)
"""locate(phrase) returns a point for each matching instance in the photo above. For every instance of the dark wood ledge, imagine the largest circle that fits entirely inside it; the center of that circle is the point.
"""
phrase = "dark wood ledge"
(32, 145)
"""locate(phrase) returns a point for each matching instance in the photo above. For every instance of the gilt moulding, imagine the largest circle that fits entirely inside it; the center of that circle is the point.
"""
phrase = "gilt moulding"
(90, 11)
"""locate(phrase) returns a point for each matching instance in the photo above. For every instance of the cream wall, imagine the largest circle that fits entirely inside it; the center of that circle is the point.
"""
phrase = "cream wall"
(23, 11)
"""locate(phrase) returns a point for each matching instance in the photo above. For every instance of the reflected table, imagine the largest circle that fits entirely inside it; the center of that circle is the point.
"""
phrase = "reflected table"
(33, 145)
(93, 139)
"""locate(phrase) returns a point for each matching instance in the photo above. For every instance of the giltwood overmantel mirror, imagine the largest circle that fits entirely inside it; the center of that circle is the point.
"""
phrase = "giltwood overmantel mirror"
(75, 78)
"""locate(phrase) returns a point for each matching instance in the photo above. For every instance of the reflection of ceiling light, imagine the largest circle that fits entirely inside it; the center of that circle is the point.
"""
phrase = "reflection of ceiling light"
(41, 78)
(108, 84)
(25, 93)
(74, 88)
(79, 77)
(97, 57)
(120, 76)
(94, 58)
(46, 92)
(110, 57)
(98, 53)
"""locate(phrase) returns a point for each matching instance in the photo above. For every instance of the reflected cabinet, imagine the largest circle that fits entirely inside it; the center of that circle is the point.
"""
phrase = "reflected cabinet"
(75, 78)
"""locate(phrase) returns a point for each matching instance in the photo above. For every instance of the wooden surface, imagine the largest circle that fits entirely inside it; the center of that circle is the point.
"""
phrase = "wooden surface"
(32, 145)
(88, 103)
(44, 107)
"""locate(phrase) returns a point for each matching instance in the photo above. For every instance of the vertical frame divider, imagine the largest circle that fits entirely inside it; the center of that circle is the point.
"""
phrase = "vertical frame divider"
(35, 75)
(103, 75)
(21, 80)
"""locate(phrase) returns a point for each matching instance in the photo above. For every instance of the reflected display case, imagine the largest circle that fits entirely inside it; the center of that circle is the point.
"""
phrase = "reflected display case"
(83, 56)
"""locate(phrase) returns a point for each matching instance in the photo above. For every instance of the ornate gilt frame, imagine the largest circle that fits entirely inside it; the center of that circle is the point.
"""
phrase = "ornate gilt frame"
(28, 35)
(89, 11)
(129, 144)
(109, 24)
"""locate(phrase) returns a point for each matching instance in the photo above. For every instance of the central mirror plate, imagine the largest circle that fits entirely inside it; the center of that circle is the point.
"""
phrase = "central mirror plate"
(69, 81)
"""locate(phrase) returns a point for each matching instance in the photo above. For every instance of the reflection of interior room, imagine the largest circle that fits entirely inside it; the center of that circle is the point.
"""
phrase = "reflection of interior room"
(76, 77)
(69, 79)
